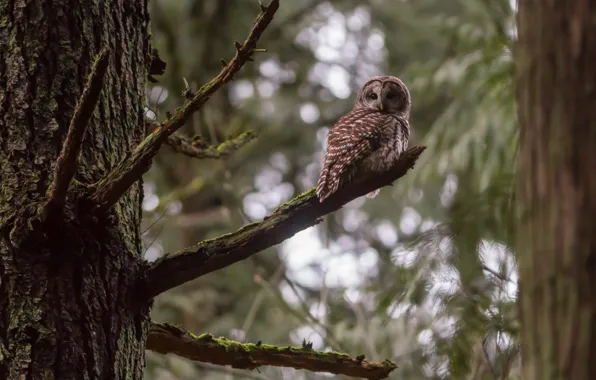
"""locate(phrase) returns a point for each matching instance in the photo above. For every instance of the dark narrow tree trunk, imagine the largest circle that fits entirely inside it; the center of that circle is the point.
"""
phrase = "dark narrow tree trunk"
(67, 308)
(557, 241)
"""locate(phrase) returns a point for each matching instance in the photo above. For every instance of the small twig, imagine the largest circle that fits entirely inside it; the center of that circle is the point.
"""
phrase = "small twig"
(66, 164)
(256, 304)
(154, 239)
(487, 358)
(165, 211)
(105, 193)
(298, 214)
(364, 325)
(496, 274)
(197, 148)
(164, 338)
(303, 314)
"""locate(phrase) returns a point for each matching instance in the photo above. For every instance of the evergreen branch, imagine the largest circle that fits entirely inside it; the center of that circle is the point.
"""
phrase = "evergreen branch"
(66, 164)
(111, 188)
(296, 215)
(164, 339)
(198, 149)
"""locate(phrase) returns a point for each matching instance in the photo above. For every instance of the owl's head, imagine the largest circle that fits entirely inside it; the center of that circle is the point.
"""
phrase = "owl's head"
(386, 94)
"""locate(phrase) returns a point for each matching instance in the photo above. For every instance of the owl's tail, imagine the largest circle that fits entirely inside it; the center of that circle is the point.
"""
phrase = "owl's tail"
(326, 185)
(322, 191)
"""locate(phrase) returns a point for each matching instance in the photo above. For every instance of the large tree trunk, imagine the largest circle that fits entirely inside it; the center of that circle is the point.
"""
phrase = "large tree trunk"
(67, 308)
(557, 241)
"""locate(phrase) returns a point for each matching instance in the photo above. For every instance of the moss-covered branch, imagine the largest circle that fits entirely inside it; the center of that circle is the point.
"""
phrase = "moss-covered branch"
(111, 188)
(164, 338)
(197, 148)
(66, 164)
(288, 219)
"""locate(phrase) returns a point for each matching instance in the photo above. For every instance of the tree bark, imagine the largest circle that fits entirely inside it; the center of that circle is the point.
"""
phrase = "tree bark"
(67, 310)
(557, 188)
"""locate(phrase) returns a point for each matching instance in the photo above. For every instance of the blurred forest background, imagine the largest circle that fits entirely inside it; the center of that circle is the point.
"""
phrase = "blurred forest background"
(423, 274)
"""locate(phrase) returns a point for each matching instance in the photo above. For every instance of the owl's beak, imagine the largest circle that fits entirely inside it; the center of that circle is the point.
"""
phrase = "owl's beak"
(381, 107)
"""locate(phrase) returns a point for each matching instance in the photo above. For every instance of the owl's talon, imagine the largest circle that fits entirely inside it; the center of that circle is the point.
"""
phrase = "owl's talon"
(373, 193)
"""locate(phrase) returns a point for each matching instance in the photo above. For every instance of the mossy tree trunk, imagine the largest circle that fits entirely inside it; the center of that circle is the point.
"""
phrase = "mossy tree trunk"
(67, 302)
(557, 193)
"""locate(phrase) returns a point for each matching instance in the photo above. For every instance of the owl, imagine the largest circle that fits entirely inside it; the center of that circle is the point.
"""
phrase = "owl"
(368, 139)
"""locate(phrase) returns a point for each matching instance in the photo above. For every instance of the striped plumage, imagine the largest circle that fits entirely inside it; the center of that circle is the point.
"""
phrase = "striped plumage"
(368, 139)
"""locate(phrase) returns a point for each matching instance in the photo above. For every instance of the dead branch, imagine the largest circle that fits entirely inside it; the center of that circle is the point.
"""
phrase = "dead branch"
(298, 214)
(66, 164)
(197, 148)
(164, 339)
(112, 187)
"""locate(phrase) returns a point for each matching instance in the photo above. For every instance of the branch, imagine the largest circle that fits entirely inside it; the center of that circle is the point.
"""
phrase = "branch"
(296, 215)
(66, 164)
(198, 149)
(110, 189)
(164, 338)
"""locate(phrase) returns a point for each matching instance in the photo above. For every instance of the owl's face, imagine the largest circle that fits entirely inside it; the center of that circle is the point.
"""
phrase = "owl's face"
(386, 94)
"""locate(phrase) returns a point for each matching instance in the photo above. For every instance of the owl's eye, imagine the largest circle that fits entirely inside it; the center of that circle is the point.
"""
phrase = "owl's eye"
(372, 96)
(391, 95)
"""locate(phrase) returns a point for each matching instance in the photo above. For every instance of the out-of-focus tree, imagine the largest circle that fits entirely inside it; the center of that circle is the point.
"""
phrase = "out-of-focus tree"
(557, 189)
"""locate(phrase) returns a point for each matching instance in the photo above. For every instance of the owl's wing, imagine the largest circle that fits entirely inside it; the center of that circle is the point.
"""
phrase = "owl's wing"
(351, 139)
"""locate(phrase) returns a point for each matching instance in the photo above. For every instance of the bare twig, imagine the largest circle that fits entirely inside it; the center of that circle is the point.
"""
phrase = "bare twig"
(198, 148)
(111, 188)
(496, 274)
(298, 214)
(66, 164)
(205, 348)
(486, 356)
(256, 304)
(302, 313)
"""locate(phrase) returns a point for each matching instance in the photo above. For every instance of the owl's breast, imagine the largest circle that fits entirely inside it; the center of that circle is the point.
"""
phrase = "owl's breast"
(392, 142)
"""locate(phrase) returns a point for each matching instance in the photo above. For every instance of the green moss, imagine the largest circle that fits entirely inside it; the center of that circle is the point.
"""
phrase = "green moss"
(206, 337)
(231, 345)
(236, 141)
(249, 226)
(301, 197)
(297, 200)
(4, 22)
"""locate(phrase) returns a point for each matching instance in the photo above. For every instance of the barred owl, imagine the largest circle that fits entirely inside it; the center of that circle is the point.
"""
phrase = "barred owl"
(368, 139)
